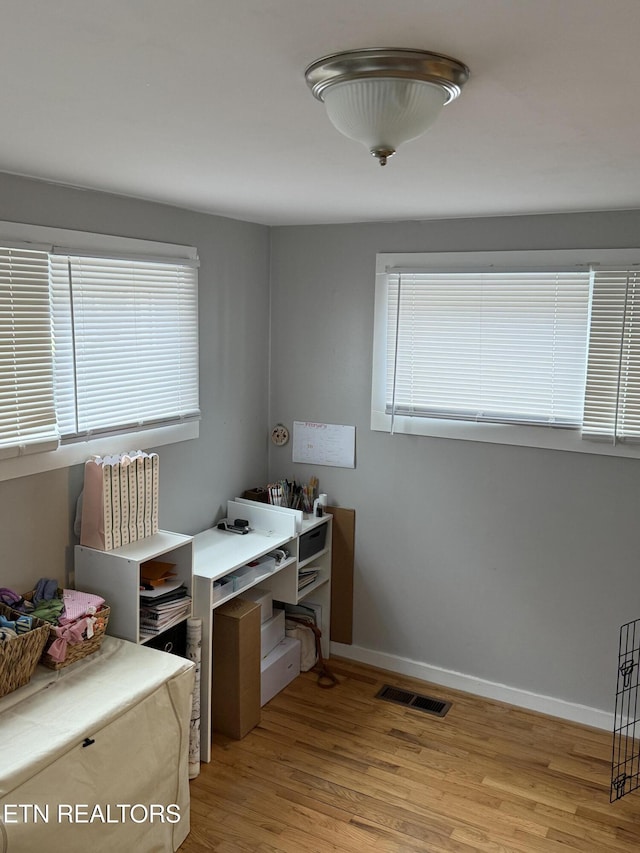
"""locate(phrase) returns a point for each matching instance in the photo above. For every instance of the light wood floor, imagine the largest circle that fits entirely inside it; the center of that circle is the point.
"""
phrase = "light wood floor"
(337, 770)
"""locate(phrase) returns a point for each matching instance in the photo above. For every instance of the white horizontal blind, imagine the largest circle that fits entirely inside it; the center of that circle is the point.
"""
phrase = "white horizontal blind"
(27, 416)
(126, 342)
(506, 347)
(612, 396)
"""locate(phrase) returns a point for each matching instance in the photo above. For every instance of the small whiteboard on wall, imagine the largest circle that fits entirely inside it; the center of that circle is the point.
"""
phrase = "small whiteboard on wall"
(324, 444)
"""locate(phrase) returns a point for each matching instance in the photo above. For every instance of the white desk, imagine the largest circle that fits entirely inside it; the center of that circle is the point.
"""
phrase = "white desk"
(217, 553)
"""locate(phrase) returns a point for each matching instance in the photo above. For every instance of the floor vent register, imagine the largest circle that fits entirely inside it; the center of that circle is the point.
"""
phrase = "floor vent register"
(428, 704)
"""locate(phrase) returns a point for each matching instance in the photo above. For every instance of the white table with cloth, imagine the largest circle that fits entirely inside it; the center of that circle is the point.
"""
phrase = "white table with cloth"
(94, 756)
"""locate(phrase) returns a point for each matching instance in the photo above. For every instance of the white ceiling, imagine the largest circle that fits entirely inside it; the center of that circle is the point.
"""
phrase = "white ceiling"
(203, 104)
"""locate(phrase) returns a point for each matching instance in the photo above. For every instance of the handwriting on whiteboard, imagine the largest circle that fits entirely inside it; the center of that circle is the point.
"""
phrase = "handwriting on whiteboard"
(324, 444)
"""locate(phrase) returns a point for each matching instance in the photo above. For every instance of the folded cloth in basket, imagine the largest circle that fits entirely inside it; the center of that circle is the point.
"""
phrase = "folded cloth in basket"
(49, 611)
(73, 634)
(46, 590)
(15, 601)
(78, 604)
(46, 604)
(20, 625)
(7, 634)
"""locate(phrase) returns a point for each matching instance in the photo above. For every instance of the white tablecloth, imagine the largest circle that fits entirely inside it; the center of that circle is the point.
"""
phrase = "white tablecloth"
(127, 787)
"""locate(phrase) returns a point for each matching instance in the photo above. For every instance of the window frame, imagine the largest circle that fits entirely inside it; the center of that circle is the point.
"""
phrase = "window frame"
(544, 437)
(77, 451)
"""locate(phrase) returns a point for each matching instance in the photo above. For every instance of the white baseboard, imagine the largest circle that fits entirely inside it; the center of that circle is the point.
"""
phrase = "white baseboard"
(469, 684)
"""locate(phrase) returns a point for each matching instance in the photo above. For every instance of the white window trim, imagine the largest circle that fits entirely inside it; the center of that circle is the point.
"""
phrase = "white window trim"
(49, 238)
(518, 435)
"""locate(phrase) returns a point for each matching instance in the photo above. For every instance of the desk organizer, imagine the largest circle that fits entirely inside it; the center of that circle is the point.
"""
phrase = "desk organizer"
(312, 543)
(243, 577)
(221, 588)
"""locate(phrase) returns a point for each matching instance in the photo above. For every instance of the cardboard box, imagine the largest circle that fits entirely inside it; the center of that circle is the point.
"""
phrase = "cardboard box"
(279, 668)
(262, 597)
(271, 633)
(235, 694)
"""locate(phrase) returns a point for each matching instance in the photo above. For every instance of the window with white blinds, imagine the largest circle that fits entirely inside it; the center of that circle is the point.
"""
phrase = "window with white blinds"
(612, 394)
(506, 347)
(126, 343)
(539, 349)
(27, 414)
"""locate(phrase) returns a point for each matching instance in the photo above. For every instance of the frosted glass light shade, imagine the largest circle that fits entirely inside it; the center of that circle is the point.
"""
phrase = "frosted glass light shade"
(382, 113)
(384, 96)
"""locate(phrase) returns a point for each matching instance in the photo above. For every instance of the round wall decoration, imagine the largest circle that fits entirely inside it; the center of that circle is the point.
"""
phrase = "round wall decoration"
(279, 435)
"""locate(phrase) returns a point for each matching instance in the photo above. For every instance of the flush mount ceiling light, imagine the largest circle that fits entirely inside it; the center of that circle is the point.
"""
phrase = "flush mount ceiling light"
(383, 97)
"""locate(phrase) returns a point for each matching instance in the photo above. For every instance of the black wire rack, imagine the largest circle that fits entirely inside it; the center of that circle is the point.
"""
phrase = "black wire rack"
(625, 762)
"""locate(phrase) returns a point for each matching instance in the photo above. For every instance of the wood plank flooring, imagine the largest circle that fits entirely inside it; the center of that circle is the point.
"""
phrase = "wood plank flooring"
(338, 770)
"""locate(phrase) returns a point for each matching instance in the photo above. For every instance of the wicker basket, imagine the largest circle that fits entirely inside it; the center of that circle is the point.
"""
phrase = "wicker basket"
(19, 656)
(77, 651)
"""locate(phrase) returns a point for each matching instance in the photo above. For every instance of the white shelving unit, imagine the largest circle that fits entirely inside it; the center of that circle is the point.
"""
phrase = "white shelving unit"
(115, 575)
(284, 584)
(218, 554)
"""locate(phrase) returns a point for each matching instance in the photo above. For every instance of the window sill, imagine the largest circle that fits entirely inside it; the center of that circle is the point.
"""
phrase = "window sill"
(546, 438)
(78, 452)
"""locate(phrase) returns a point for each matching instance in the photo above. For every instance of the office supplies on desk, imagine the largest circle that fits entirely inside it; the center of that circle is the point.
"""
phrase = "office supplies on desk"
(285, 493)
(319, 505)
(171, 589)
(162, 607)
(156, 573)
(306, 577)
(239, 525)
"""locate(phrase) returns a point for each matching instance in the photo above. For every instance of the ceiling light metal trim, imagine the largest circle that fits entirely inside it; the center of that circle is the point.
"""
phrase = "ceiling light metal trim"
(387, 62)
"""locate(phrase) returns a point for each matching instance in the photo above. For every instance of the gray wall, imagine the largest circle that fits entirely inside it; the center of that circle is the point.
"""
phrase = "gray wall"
(514, 565)
(510, 564)
(196, 477)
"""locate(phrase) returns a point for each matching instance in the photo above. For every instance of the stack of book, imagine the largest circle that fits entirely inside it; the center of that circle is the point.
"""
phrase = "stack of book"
(162, 607)
(306, 577)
